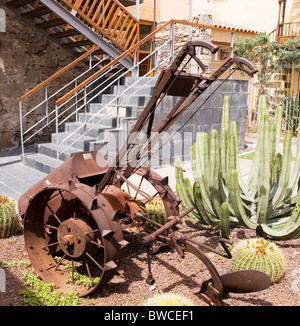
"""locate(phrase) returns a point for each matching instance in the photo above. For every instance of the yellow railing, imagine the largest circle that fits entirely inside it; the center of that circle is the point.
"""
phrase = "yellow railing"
(108, 18)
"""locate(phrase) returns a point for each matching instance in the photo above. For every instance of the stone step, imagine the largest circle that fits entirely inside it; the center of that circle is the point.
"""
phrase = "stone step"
(50, 150)
(99, 125)
(83, 143)
(140, 81)
(125, 100)
(134, 89)
(42, 162)
(111, 110)
(94, 131)
(92, 118)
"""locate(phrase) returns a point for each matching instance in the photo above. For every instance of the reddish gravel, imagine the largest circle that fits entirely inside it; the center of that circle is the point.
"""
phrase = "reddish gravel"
(170, 272)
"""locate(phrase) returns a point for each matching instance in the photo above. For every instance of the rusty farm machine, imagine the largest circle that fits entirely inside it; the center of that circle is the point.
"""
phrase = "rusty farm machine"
(78, 212)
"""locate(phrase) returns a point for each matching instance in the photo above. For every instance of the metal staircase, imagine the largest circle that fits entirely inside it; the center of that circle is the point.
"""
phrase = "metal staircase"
(78, 25)
(92, 130)
(95, 110)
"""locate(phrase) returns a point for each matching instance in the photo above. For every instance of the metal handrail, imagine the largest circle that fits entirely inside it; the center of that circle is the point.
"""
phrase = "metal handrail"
(77, 99)
(167, 59)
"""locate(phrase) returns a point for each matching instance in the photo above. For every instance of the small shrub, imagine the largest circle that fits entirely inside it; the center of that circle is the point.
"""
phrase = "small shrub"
(38, 293)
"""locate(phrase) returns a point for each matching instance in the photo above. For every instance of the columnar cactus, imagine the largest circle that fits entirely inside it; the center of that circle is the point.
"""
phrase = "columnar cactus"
(265, 201)
(9, 221)
(258, 254)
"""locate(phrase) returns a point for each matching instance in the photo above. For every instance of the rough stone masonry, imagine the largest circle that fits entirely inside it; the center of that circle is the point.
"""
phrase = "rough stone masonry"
(27, 57)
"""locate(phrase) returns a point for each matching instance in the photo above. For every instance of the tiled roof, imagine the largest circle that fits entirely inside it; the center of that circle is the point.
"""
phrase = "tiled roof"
(233, 27)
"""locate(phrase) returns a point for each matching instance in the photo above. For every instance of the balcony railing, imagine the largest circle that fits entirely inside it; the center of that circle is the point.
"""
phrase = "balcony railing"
(285, 31)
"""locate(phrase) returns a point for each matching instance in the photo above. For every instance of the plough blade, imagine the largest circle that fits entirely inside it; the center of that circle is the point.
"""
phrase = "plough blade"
(245, 281)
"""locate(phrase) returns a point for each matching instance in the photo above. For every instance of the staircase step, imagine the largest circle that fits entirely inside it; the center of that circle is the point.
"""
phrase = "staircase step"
(111, 111)
(135, 89)
(94, 131)
(49, 149)
(107, 120)
(42, 162)
(18, 3)
(151, 81)
(69, 32)
(124, 100)
(38, 12)
(51, 23)
(83, 143)
(76, 44)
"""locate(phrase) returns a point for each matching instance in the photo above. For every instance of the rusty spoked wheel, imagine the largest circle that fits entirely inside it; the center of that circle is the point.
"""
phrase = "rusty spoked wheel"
(149, 184)
(72, 239)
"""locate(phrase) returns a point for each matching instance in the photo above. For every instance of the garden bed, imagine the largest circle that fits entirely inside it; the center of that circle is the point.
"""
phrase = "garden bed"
(172, 274)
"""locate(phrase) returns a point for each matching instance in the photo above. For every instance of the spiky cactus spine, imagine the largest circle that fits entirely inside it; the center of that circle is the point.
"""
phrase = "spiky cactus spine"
(168, 299)
(9, 221)
(258, 254)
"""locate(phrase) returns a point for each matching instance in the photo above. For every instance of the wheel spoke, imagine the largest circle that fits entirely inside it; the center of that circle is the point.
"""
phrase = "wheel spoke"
(99, 245)
(50, 245)
(139, 187)
(51, 226)
(72, 261)
(58, 263)
(94, 261)
(56, 217)
(87, 268)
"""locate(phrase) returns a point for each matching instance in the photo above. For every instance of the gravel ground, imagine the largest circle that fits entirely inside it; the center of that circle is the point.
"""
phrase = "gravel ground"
(172, 274)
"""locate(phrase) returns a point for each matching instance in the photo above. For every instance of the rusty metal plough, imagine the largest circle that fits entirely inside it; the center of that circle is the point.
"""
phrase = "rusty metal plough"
(77, 214)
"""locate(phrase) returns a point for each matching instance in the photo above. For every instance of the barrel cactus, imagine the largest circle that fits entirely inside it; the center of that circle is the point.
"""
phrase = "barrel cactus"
(268, 201)
(9, 221)
(168, 299)
(258, 254)
(156, 210)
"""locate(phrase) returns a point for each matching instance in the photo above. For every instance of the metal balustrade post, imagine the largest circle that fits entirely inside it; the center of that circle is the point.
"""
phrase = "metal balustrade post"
(76, 101)
(56, 130)
(46, 103)
(172, 42)
(21, 132)
(84, 104)
(231, 51)
(118, 104)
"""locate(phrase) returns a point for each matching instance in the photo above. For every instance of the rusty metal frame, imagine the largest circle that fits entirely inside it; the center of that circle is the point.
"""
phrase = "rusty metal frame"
(80, 206)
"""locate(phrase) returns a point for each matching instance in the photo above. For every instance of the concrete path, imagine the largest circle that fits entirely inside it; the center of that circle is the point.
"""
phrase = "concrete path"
(16, 178)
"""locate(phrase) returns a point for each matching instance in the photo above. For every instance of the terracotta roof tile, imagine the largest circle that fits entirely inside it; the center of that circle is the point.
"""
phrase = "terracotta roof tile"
(233, 27)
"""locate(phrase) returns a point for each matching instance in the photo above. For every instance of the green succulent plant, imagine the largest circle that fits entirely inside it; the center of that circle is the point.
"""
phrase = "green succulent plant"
(156, 210)
(258, 254)
(268, 201)
(9, 221)
(168, 299)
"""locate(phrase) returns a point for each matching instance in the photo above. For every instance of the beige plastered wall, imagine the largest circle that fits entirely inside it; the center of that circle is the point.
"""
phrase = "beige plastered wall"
(260, 15)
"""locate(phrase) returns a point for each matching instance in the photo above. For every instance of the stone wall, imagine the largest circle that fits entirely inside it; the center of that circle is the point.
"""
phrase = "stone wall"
(182, 34)
(27, 57)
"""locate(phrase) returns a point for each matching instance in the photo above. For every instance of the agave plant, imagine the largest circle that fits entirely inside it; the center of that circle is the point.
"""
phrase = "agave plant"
(267, 201)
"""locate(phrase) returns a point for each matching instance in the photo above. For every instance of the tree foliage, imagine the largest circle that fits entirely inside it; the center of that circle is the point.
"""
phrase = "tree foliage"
(268, 56)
